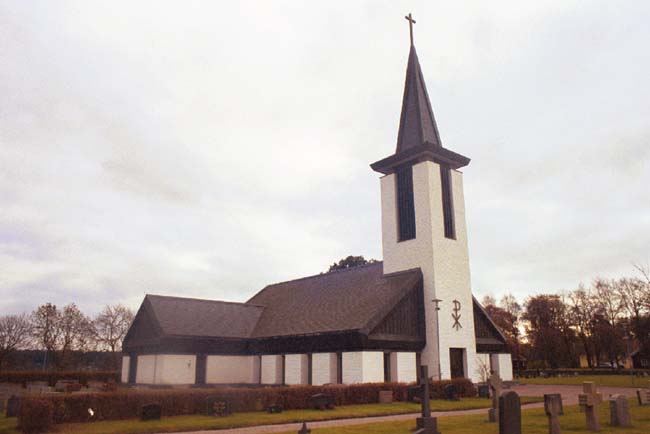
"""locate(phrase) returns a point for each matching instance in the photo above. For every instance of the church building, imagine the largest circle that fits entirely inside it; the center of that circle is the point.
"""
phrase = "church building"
(371, 323)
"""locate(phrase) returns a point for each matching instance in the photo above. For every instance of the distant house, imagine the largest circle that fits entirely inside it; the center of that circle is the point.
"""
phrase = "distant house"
(367, 324)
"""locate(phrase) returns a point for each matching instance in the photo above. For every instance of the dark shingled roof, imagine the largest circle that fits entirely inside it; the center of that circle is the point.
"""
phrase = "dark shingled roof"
(206, 318)
(339, 301)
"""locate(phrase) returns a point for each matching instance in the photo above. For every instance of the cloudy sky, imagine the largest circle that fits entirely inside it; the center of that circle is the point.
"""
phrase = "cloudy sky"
(209, 148)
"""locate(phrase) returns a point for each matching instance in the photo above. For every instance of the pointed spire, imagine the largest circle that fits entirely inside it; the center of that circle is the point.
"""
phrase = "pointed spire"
(417, 124)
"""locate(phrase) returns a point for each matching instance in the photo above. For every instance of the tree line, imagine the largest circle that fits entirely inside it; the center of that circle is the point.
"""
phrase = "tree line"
(63, 333)
(604, 321)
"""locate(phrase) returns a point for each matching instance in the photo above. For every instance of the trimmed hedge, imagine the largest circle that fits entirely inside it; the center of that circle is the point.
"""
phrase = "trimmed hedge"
(36, 415)
(563, 372)
(23, 377)
(126, 404)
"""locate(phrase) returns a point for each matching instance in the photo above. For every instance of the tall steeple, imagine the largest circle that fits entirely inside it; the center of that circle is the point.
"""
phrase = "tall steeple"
(418, 138)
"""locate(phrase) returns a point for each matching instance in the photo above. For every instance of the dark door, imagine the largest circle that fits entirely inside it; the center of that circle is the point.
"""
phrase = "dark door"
(201, 366)
(457, 362)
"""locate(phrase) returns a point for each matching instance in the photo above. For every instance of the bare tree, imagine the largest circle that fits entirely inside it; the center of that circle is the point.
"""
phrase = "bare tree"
(583, 310)
(76, 331)
(46, 320)
(15, 332)
(111, 325)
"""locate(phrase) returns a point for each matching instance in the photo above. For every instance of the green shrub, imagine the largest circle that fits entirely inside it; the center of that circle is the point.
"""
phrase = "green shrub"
(36, 415)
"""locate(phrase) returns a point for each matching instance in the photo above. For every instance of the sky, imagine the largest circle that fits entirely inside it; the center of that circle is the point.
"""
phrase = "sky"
(207, 149)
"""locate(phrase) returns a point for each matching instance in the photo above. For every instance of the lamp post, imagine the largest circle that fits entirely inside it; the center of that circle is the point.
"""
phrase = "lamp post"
(436, 302)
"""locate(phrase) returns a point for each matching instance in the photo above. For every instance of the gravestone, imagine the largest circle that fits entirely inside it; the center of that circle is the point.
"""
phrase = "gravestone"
(274, 409)
(619, 411)
(414, 393)
(150, 412)
(13, 406)
(495, 387)
(385, 396)
(483, 391)
(425, 424)
(589, 401)
(643, 396)
(217, 406)
(509, 413)
(304, 429)
(322, 401)
(553, 408)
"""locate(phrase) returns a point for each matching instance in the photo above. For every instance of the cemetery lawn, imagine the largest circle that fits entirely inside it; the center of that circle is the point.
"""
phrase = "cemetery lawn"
(534, 421)
(600, 380)
(237, 420)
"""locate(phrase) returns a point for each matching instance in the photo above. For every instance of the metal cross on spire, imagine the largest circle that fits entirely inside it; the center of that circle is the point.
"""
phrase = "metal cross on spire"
(411, 21)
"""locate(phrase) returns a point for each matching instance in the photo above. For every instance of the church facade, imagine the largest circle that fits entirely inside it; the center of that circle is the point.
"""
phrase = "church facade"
(370, 323)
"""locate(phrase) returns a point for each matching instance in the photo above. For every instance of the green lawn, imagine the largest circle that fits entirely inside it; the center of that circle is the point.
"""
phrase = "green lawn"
(197, 422)
(534, 422)
(601, 380)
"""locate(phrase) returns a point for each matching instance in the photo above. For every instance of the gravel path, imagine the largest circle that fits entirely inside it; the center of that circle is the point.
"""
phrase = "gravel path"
(569, 397)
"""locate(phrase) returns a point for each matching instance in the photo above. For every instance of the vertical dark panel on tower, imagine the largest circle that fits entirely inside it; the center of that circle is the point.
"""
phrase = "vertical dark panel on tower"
(447, 202)
(405, 203)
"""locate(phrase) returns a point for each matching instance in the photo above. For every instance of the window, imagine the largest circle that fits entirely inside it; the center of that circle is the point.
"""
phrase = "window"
(405, 203)
(447, 202)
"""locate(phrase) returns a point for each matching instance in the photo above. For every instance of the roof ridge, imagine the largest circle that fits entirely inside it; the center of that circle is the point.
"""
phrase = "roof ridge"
(341, 270)
(240, 303)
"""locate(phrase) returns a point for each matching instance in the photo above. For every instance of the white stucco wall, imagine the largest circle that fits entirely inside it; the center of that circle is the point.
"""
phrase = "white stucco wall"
(296, 369)
(166, 369)
(145, 373)
(231, 369)
(323, 368)
(403, 367)
(483, 366)
(505, 367)
(271, 369)
(363, 367)
(444, 263)
(126, 363)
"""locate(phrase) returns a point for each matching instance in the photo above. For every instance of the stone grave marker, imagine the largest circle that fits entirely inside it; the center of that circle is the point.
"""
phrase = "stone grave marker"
(553, 408)
(643, 396)
(322, 401)
(218, 406)
(496, 385)
(304, 429)
(150, 412)
(589, 401)
(450, 392)
(13, 406)
(509, 413)
(619, 411)
(385, 396)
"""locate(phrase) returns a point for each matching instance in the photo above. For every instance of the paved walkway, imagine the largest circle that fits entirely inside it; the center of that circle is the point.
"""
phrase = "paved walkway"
(569, 397)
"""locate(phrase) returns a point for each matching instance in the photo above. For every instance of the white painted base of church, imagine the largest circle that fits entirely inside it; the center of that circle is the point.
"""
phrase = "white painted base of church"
(296, 369)
(232, 369)
(363, 367)
(403, 367)
(323, 368)
(272, 369)
(166, 369)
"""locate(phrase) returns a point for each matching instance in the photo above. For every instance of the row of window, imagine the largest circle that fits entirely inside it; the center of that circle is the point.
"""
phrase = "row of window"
(406, 203)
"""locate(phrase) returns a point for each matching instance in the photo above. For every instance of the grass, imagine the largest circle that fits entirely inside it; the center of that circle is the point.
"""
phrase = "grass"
(534, 421)
(199, 422)
(600, 380)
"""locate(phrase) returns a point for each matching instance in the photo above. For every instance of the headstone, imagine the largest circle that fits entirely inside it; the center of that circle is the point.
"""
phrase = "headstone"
(217, 406)
(274, 408)
(414, 394)
(385, 396)
(450, 392)
(150, 412)
(553, 408)
(619, 411)
(509, 413)
(643, 396)
(13, 406)
(483, 391)
(426, 424)
(589, 401)
(322, 401)
(496, 385)
(304, 429)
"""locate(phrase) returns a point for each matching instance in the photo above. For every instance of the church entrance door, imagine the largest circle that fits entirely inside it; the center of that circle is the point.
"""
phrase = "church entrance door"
(457, 362)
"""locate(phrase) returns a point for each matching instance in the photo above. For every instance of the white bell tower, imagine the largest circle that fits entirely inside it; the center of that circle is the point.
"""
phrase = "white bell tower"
(423, 226)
